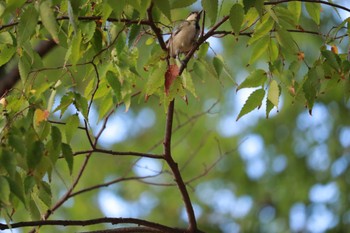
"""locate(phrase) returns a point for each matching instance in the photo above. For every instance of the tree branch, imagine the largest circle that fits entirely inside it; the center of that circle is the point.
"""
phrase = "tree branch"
(113, 221)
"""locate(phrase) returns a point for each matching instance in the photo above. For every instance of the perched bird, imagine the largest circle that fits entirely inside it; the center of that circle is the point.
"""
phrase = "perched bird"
(185, 36)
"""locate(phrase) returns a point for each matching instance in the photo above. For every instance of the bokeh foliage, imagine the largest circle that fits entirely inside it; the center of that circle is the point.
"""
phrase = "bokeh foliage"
(108, 64)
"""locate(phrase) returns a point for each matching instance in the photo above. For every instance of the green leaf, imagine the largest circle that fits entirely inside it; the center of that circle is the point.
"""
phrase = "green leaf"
(49, 20)
(134, 32)
(8, 161)
(164, 7)
(181, 3)
(72, 125)
(87, 31)
(35, 154)
(273, 93)
(263, 28)
(156, 79)
(117, 8)
(314, 10)
(6, 38)
(295, 8)
(188, 83)
(115, 84)
(12, 5)
(65, 102)
(74, 52)
(218, 64)
(56, 137)
(4, 191)
(255, 79)
(286, 40)
(269, 107)
(81, 104)
(68, 155)
(312, 85)
(236, 17)
(211, 9)
(24, 67)
(6, 53)
(259, 49)
(17, 188)
(254, 101)
(34, 210)
(27, 24)
(332, 59)
(273, 50)
(257, 4)
(45, 194)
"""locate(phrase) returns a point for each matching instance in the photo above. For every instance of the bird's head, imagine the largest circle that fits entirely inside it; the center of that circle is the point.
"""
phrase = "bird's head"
(195, 15)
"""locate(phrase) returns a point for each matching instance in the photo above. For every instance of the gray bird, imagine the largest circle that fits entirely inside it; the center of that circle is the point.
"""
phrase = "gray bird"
(185, 36)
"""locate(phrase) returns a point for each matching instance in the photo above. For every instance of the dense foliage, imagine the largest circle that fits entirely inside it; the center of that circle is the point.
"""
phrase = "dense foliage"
(249, 133)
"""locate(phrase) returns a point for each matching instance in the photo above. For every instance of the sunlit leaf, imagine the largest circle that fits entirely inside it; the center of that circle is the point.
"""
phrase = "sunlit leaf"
(314, 10)
(295, 8)
(259, 49)
(273, 93)
(262, 29)
(40, 116)
(255, 79)
(254, 101)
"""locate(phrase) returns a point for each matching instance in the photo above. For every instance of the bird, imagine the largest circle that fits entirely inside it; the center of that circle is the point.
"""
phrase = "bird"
(185, 36)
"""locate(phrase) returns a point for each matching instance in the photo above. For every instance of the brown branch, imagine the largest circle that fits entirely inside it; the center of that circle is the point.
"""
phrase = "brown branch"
(113, 221)
(175, 169)
(156, 29)
(120, 153)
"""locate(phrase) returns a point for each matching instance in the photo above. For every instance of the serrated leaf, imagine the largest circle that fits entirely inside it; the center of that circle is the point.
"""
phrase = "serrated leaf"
(56, 137)
(115, 84)
(81, 104)
(314, 10)
(286, 40)
(164, 7)
(40, 116)
(16, 186)
(254, 101)
(34, 210)
(269, 107)
(49, 20)
(27, 24)
(87, 30)
(203, 50)
(273, 93)
(236, 17)
(8, 161)
(6, 53)
(71, 127)
(35, 153)
(264, 26)
(6, 38)
(170, 75)
(12, 5)
(156, 79)
(181, 3)
(188, 83)
(259, 49)
(24, 67)
(311, 86)
(295, 8)
(117, 8)
(218, 65)
(65, 102)
(134, 32)
(74, 53)
(45, 194)
(255, 79)
(68, 155)
(273, 51)
(4, 191)
(332, 59)
(211, 9)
